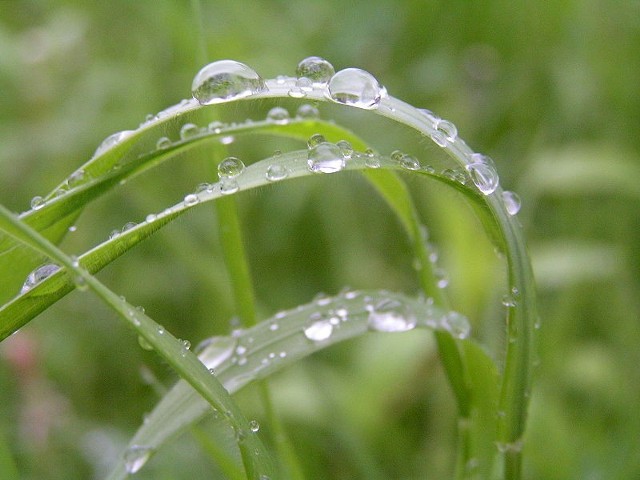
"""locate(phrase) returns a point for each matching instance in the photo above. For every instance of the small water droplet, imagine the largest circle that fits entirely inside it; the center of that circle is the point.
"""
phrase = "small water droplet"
(441, 276)
(315, 140)
(135, 457)
(371, 159)
(216, 126)
(38, 275)
(319, 330)
(191, 199)
(37, 202)
(161, 330)
(278, 115)
(163, 143)
(409, 162)
(76, 178)
(225, 80)
(276, 172)
(230, 167)
(254, 426)
(189, 130)
(128, 226)
(186, 345)
(447, 129)
(316, 69)
(345, 148)
(274, 326)
(390, 315)
(325, 158)
(355, 87)
(307, 111)
(483, 174)
(73, 228)
(509, 301)
(114, 234)
(456, 324)
(151, 218)
(144, 343)
(112, 140)
(511, 202)
(228, 186)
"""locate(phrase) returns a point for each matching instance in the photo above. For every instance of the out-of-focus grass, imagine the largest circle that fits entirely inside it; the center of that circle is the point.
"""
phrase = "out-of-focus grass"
(548, 90)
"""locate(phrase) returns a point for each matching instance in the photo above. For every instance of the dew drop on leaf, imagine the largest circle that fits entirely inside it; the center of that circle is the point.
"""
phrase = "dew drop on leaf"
(38, 275)
(511, 202)
(135, 457)
(316, 69)
(278, 115)
(319, 330)
(307, 111)
(191, 199)
(37, 203)
(483, 173)
(276, 172)
(325, 158)
(189, 130)
(163, 143)
(390, 315)
(230, 167)
(225, 80)
(355, 87)
(456, 324)
(112, 140)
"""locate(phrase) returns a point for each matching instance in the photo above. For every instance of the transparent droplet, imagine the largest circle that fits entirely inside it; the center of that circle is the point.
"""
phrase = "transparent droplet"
(442, 278)
(216, 126)
(509, 301)
(112, 140)
(371, 159)
(319, 330)
(189, 130)
(315, 140)
(128, 226)
(191, 199)
(396, 155)
(73, 228)
(447, 129)
(228, 186)
(276, 172)
(161, 330)
(163, 142)
(278, 115)
(325, 158)
(511, 202)
(345, 148)
(37, 203)
(144, 343)
(307, 111)
(254, 426)
(76, 178)
(316, 69)
(355, 87)
(225, 80)
(484, 176)
(151, 218)
(227, 139)
(204, 187)
(114, 234)
(456, 324)
(230, 167)
(135, 457)
(409, 162)
(390, 315)
(186, 345)
(38, 275)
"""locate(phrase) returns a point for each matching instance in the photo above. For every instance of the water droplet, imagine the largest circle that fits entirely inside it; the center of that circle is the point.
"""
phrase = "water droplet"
(76, 178)
(442, 278)
(135, 457)
(345, 148)
(307, 111)
(161, 330)
(511, 202)
(447, 129)
(73, 228)
(371, 159)
(128, 226)
(144, 343)
(316, 69)
(227, 139)
(163, 143)
(509, 301)
(225, 80)
(230, 167)
(216, 126)
(254, 426)
(325, 158)
(455, 175)
(315, 140)
(278, 115)
(186, 345)
(114, 234)
(38, 275)
(456, 324)
(151, 218)
(355, 87)
(189, 130)
(191, 199)
(319, 330)
(37, 203)
(483, 173)
(112, 140)
(276, 172)
(409, 162)
(228, 186)
(390, 315)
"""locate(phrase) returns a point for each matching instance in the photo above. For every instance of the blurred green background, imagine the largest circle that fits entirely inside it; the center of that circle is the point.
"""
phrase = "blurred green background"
(548, 89)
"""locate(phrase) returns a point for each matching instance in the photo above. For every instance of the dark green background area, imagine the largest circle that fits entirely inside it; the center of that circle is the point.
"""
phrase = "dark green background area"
(548, 89)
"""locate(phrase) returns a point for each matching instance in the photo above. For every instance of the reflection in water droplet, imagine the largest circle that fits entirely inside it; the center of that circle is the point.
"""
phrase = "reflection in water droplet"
(38, 275)
(511, 202)
(37, 203)
(319, 330)
(189, 130)
(276, 172)
(307, 111)
(316, 69)
(355, 87)
(409, 162)
(345, 148)
(225, 80)
(278, 115)
(391, 316)
(371, 159)
(135, 457)
(230, 167)
(163, 142)
(315, 140)
(325, 158)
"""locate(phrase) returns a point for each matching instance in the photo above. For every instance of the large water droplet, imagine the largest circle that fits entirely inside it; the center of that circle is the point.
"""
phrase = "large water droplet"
(319, 330)
(511, 202)
(355, 87)
(316, 69)
(391, 316)
(230, 167)
(135, 457)
(456, 324)
(483, 173)
(278, 115)
(325, 158)
(225, 80)
(38, 275)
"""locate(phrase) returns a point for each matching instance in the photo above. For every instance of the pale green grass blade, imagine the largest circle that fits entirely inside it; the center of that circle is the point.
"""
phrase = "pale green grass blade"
(283, 340)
